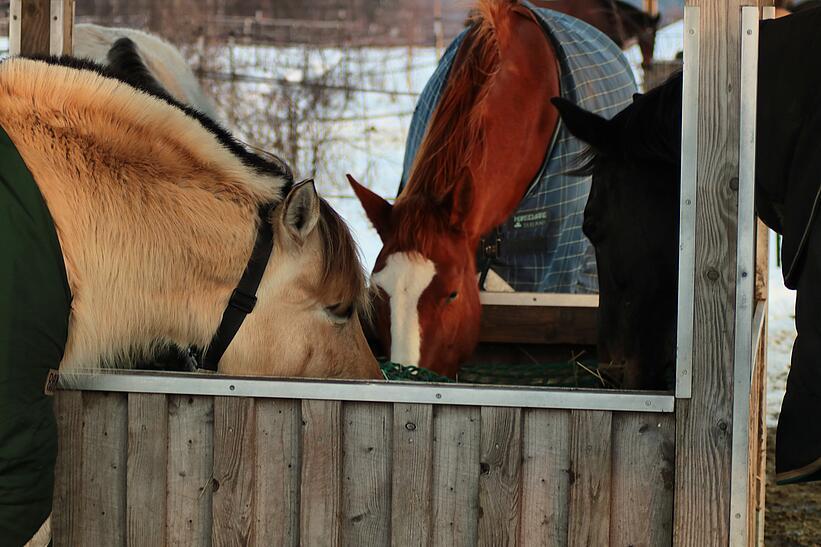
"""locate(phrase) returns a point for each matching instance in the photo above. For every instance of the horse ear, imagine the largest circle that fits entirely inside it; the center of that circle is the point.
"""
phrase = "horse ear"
(301, 210)
(377, 209)
(584, 125)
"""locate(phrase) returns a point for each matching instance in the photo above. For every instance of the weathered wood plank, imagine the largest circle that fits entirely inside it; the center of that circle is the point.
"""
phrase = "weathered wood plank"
(35, 24)
(643, 479)
(411, 475)
(538, 325)
(278, 432)
(320, 482)
(190, 467)
(762, 261)
(704, 422)
(234, 444)
(500, 480)
(105, 434)
(147, 466)
(455, 489)
(590, 462)
(545, 477)
(366, 474)
(68, 473)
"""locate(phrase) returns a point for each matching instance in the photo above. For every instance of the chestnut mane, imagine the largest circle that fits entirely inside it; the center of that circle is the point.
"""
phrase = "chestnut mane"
(455, 135)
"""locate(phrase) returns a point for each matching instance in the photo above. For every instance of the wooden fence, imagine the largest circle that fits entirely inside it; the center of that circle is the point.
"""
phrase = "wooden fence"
(154, 469)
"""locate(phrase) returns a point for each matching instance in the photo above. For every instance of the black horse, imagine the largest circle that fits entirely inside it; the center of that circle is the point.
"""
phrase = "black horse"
(633, 210)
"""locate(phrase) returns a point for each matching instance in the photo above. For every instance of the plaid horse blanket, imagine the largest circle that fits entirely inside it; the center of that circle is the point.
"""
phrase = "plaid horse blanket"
(541, 248)
(35, 303)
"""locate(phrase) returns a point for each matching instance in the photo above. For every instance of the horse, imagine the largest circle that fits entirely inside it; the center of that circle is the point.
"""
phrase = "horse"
(164, 61)
(632, 220)
(113, 162)
(494, 107)
(622, 22)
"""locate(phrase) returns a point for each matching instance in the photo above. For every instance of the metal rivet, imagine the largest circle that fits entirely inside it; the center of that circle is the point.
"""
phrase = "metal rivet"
(692, 31)
(749, 32)
(438, 395)
(743, 274)
(648, 403)
(231, 387)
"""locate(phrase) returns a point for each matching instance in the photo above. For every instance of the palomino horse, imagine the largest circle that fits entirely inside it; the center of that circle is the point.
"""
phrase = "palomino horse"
(633, 212)
(484, 145)
(157, 212)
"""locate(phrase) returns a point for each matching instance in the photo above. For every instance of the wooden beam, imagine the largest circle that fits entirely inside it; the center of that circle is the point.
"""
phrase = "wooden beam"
(704, 423)
(41, 27)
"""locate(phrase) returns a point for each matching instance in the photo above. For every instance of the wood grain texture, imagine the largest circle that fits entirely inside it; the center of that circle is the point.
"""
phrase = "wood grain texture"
(538, 325)
(500, 464)
(366, 474)
(758, 444)
(704, 423)
(68, 473)
(147, 463)
(35, 27)
(190, 468)
(105, 434)
(762, 261)
(590, 462)
(412, 475)
(455, 488)
(278, 431)
(234, 477)
(545, 477)
(643, 479)
(321, 473)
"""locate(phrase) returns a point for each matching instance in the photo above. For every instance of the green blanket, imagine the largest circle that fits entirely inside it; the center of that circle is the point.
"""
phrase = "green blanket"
(35, 302)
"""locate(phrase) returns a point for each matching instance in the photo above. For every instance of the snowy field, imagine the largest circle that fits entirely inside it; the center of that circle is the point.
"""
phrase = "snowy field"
(338, 111)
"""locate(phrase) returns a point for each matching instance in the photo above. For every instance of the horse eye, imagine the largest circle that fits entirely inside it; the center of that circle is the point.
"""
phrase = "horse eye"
(452, 296)
(340, 312)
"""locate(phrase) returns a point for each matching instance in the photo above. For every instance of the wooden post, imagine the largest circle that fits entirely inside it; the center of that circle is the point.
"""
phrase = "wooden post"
(651, 6)
(704, 422)
(41, 27)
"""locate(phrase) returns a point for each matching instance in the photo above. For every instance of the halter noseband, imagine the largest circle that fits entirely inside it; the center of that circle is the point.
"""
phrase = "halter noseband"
(244, 298)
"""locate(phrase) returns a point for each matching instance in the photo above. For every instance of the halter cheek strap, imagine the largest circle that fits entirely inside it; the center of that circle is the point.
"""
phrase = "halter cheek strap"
(244, 298)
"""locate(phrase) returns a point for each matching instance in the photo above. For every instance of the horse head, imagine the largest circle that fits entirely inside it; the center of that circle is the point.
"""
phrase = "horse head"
(631, 218)
(309, 301)
(424, 280)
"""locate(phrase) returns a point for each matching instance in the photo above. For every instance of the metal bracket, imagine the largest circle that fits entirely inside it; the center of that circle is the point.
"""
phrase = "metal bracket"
(745, 279)
(687, 222)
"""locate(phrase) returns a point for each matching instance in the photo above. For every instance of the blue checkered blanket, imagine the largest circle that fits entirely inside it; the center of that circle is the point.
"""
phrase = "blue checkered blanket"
(594, 75)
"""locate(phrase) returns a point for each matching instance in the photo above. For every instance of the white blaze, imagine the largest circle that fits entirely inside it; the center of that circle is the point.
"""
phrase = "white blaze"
(404, 278)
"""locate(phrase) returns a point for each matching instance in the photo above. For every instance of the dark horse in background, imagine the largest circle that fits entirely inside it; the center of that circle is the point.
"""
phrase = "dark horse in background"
(623, 23)
(633, 210)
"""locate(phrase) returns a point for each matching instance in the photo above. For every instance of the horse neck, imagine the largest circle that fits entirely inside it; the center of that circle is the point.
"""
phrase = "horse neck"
(518, 126)
(141, 267)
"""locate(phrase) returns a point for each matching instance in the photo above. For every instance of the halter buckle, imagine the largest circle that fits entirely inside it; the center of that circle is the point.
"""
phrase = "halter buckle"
(242, 301)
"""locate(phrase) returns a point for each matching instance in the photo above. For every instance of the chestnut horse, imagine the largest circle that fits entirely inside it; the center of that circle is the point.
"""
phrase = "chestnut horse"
(497, 103)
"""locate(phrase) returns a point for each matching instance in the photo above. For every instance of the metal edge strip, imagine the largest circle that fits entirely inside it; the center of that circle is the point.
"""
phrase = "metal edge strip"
(367, 391)
(15, 26)
(745, 268)
(57, 27)
(687, 226)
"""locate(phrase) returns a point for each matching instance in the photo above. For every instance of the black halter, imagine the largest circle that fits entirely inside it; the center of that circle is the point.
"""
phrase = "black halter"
(244, 298)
